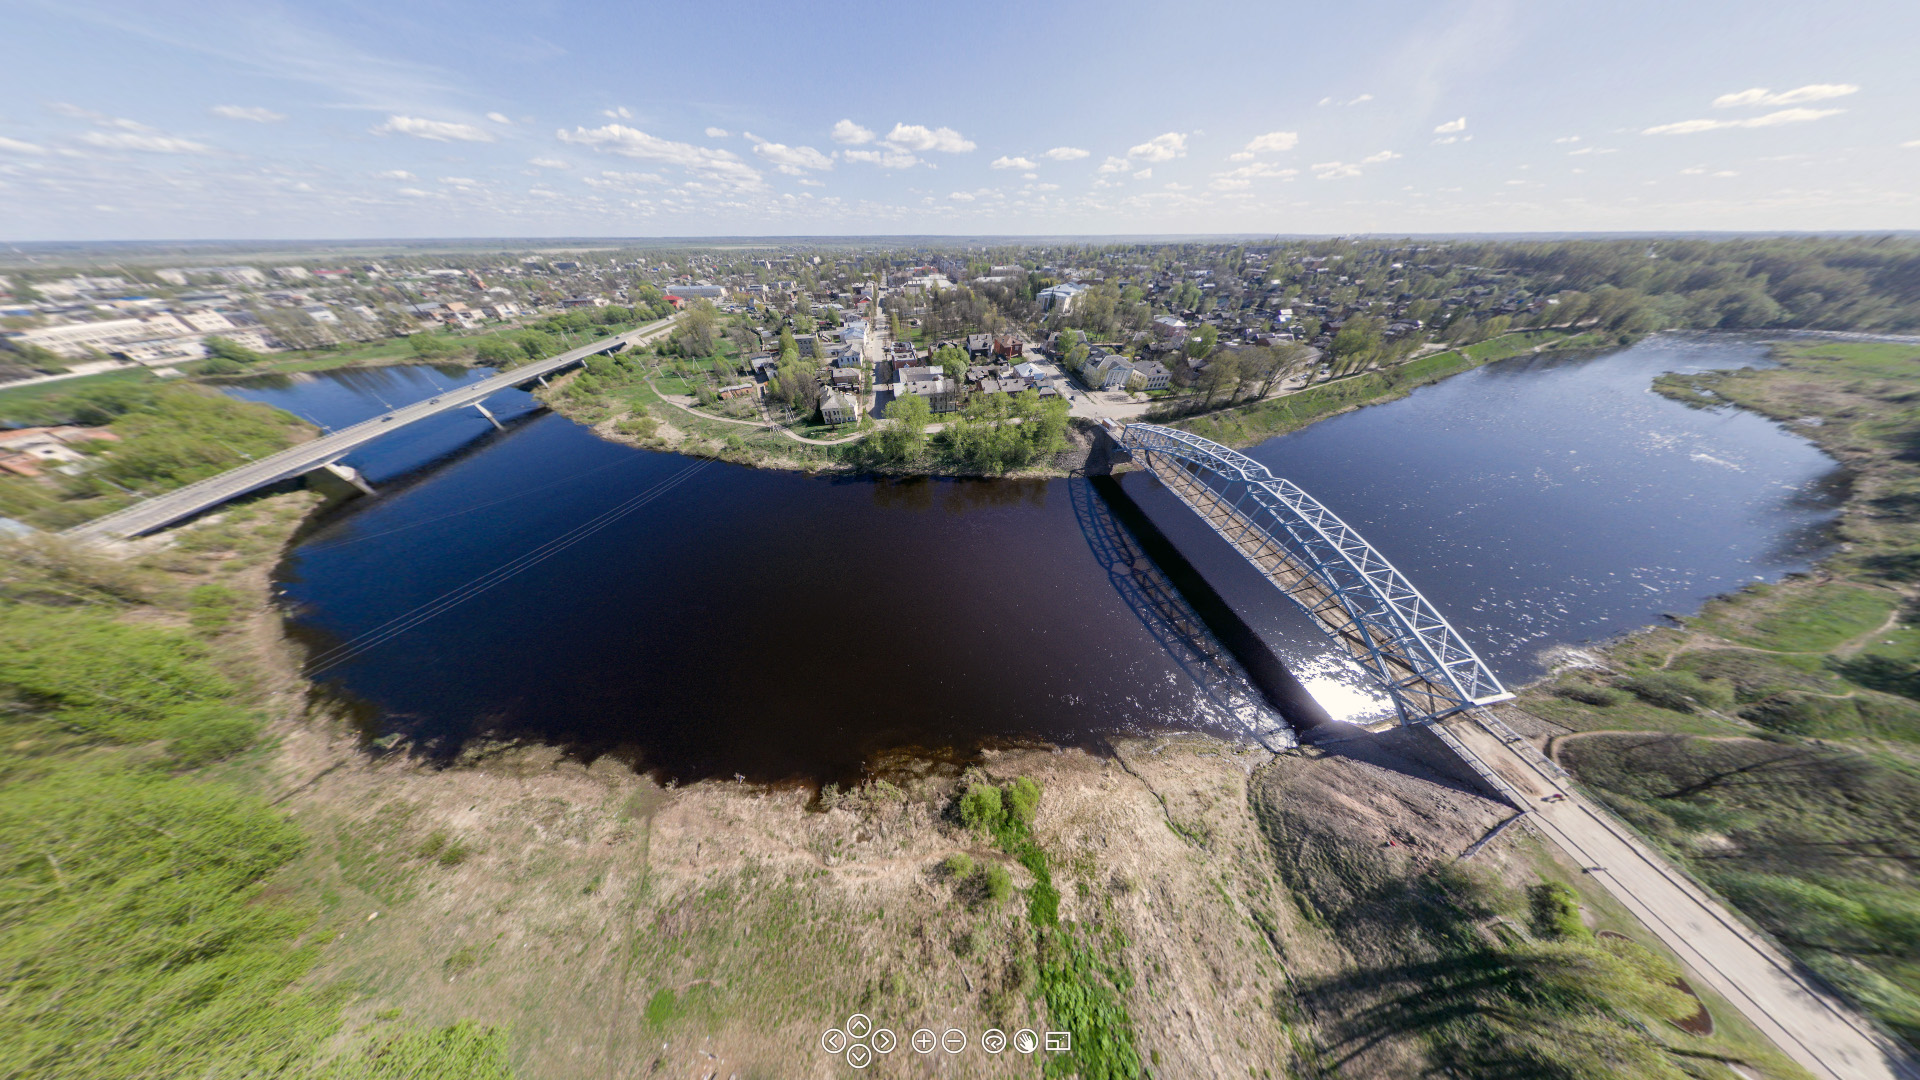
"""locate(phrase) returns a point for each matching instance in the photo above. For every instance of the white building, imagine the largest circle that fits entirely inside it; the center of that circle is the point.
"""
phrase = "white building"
(78, 339)
(207, 322)
(1059, 296)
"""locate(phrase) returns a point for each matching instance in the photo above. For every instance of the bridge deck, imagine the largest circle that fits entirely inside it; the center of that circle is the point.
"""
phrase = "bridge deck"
(181, 503)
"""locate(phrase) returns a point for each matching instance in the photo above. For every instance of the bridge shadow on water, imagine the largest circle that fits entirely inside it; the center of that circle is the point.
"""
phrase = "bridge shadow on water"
(1225, 657)
(1245, 685)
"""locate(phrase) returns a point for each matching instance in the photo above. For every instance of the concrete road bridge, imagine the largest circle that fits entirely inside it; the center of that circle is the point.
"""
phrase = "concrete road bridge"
(1439, 684)
(324, 453)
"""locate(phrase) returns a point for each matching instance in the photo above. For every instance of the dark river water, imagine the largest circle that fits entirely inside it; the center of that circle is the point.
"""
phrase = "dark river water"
(708, 619)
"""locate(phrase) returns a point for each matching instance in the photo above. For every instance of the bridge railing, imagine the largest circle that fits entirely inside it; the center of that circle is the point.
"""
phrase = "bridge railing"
(1325, 566)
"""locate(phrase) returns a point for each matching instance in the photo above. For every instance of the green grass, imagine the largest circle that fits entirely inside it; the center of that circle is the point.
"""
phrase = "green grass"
(20, 405)
(1798, 618)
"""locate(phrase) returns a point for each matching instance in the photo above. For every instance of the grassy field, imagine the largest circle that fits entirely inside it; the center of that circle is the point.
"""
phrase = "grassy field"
(18, 405)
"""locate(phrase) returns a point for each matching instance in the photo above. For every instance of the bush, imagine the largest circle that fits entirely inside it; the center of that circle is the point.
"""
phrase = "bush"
(1804, 714)
(1556, 913)
(644, 427)
(1680, 691)
(1588, 693)
(995, 883)
(980, 808)
(958, 865)
(1022, 800)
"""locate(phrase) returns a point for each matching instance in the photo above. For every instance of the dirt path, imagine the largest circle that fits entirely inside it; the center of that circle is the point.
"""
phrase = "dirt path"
(762, 424)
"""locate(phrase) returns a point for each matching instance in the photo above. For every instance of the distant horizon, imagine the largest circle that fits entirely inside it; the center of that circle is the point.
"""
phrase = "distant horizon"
(12, 251)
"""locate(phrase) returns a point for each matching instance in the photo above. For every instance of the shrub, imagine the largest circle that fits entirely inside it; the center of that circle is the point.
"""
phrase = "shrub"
(1803, 714)
(645, 427)
(1588, 693)
(1022, 800)
(980, 808)
(1556, 913)
(958, 865)
(1680, 691)
(995, 883)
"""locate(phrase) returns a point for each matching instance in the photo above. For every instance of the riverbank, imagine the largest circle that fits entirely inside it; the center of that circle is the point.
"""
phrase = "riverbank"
(1771, 743)
(1251, 424)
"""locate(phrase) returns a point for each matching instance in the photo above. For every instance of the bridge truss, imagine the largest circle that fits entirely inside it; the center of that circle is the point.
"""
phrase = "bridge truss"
(1324, 566)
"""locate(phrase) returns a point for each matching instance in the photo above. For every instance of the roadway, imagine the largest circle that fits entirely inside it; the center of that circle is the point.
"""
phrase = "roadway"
(1809, 1025)
(179, 504)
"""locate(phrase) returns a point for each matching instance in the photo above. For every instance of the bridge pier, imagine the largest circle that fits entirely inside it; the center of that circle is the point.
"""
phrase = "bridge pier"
(490, 419)
(339, 482)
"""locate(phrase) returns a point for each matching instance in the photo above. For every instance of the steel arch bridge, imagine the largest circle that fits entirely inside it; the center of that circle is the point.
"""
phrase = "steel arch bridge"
(1324, 566)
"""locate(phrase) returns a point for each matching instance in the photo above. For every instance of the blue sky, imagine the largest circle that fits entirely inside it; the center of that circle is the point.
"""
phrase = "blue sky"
(405, 118)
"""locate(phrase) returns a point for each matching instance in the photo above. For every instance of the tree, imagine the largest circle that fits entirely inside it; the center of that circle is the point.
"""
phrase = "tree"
(1201, 343)
(1287, 359)
(499, 352)
(906, 435)
(425, 346)
(1357, 341)
(698, 331)
(228, 349)
(953, 361)
(1223, 374)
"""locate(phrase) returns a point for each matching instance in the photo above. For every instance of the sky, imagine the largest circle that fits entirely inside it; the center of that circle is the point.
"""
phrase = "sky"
(266, 119)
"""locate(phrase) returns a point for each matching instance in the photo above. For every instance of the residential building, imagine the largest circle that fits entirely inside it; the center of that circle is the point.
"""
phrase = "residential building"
(1107, 373)
(1059, 297)
(837, 407)
(78, 339)
(740, 390)
(1150, 375)
(845, 378)
(1170, 326)
(979, 344)
(694, 292)
(941, 394)
(207, 322)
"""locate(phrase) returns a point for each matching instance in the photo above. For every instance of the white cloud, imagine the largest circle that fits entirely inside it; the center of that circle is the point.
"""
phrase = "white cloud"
(792, 160)
(920, 138)
(960, 196)
(716, 133)
(1175, 186)
(886, 159)
(395, 174)
(416, 193)
(1274, 142)
(248, 112)
(1161, 147)
(1029, 176)
(814, 183)
(1451, 127)
(1245, 175)
(15, 146)
(1772, 119)
(1361, 99)
(1324, 101)
(1114, 165)
(1242, 155)
(1013, 163)
(1334, 170)
(619, 113)
(720, 166)
(550, 163)
(849, 133)
(1066, 153)
(1143, 174)
(147, 143)
(1046, 187)
(1568, 139)
(498, 118)
(459, 181)
(1375, 159)
(437, 130)
(1911, 144)
(1763, 97)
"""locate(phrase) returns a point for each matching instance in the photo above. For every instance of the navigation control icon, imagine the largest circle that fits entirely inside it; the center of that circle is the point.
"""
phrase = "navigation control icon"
(993, 1040)
(884, 1041)
(923, 1041)
(1026, 1041)
(833, 1040)
(953, 1040)
(858, 1026)
(859, 1056)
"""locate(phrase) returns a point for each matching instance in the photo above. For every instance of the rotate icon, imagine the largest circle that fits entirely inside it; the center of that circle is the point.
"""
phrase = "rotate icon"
(993, 1040)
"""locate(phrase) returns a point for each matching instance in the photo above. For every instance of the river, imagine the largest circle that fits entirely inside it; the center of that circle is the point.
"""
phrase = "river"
(707, 619)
